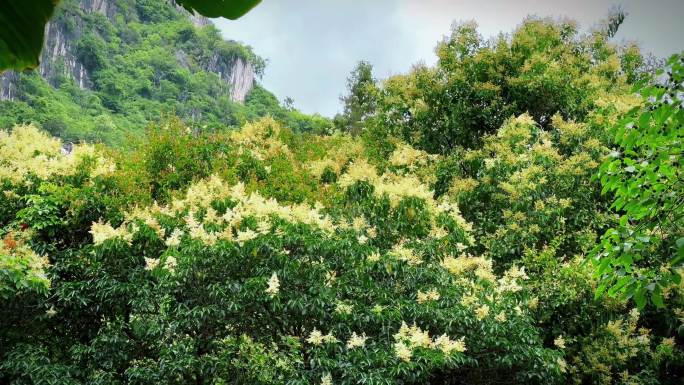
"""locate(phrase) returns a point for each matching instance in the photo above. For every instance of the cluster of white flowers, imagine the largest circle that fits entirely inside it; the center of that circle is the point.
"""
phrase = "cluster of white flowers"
(403, 351)
(102, 232)
(273, 285)
(398, 186)
(343, 308)
(199, 198)
(317, 338)
(169, 264)
(559, 342)
(175, 238)
(261, 138)
(517, 129)
(356, 341)
(447, 345)
(501, 317)
(151, 263)
(317, 167)
(533, 303)
(465, 263)
(103, 167)
(509, 282)
(482, 312)
(246, 235)
(453, 211)
(326, 379)
(409, 338)
(330, 278)
(27, 150)
(373, 257)
(407, 156)
(468, 300)
(405, 254)
(395, 187)
(359, 170)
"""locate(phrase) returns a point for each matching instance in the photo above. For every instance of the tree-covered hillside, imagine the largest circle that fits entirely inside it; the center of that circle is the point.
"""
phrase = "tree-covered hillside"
(111, 66)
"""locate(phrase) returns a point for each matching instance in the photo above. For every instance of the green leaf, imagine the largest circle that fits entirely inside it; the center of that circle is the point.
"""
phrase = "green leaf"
(230, 9)
(640, 298)
(22, 30)
(680, 243)
(657, 299)
(620, 285)
(600, 290)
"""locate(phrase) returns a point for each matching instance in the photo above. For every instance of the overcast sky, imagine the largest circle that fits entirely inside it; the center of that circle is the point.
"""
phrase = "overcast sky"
(312, 45)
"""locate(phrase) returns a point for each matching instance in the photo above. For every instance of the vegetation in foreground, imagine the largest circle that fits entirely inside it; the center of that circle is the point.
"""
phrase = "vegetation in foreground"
(446, 243)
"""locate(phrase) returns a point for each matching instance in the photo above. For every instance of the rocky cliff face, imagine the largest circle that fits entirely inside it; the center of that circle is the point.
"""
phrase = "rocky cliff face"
(59, 56)
(238, 73)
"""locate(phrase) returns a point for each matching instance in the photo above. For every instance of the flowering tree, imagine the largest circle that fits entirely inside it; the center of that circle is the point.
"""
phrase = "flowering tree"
(261, 256)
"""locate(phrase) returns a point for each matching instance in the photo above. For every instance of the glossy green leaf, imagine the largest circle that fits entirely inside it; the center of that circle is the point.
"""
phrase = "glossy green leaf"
(230, 9)
(657, 299)
(23, 28)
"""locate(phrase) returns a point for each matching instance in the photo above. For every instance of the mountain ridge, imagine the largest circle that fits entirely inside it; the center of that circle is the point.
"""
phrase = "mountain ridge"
(110, 67)
(239, 73)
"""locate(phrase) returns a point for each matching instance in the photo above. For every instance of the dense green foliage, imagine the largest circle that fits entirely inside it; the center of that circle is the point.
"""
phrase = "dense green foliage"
(542, 69)
(21, 39)
(146, 62)
(446, 243)
(640, 255)
(359, 103)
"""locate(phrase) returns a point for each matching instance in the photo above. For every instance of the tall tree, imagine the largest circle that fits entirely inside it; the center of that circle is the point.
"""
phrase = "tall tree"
(361, 99)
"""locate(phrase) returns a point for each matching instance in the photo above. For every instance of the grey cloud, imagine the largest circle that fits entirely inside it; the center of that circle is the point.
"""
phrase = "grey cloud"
(313, 44)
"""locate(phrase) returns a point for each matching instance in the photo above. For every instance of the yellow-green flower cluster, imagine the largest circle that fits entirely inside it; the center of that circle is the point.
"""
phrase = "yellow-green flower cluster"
(481, 266)
(317, 338)
(17, 257)
(359, 171)
(409, 338)
(199, 198)
(409, 157)
(356, 341)
(406, 254)
(430, 295)
(273, 285)
(102, 232)
(26, 150)
(511, 280)
(262, 138)
(326, 379)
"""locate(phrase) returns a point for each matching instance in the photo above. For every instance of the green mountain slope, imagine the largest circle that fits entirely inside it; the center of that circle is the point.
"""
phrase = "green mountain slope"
(111, 66)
